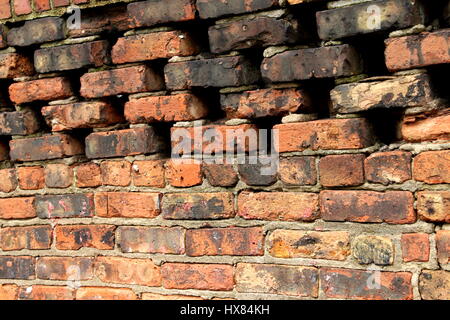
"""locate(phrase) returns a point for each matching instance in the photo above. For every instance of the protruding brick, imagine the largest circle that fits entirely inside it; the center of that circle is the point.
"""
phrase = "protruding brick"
(365, 285)
(216, 8)
(37, 31)
(58, 175)
(17, 208)
(220, 175)
(88, 175)
(8, 291)
(18, 123)
(64, 206)
(127, 204)
(373, 249)
(8, 180)
(44, 148)
(342, 170)
(116, 173)
(434, 206)
(118, 81)
(432, 167)
(103, 293)
(153, 12)
(17, 267)
(182, 173)
(89, 114)
(231, 71)
(233, 241)
(434, 285)
(151, 46)
(152, 239)
(177, 107)
(426, 127)
(149, 173)
(395, 207)
(31, 178)
(296, 281)
(75, 237)
(443, 246)
(217, 277)
(198, 206)
(388, 167)
(31, 238)
(333, 134)
(121, 143)
(64, 268)
(415, 247)
(417, 51)
(331, 245)
(298, 171)
(15, 65)
(285, 206)
(303, 64)
(44, 292)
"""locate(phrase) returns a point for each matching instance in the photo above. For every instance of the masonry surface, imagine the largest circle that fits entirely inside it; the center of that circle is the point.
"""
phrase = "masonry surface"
(354, 95)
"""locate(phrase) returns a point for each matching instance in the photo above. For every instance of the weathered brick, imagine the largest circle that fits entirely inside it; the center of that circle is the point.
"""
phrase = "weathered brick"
(264, 103)
(44, 292)
(17, 267)
(18, 123)
(116, 173)
(37, 31)
(409, 91)
(285, 206)
(31, 238)
(216, 8)
(177, 107)
(373, 249)
(64, 268)
(217, 277)
(277, 279)
(15, 65)
(417, 51)
(231, 71)
(58, 175)
(121, 143)
(220, 175)
(303, 64)
(31, 178)
(149, 173)
(261, 173)
(198, 206)
(70, 57)
(8, 180)
(44, 148)
(232, 241)
(432, 167)
(443, 246)
(128, 271)
(365, 285)
(434, 285)
(22, 7)
(3, 29)
(17, 208)
(359, 18)
(5, 9)
(415, 247)
(151, 46)
(64, 206)
(333, 134)
(103, 293)
(89, 114)
(8, 291)
(88, 175)
(41, 5)
(127, 204)
(388, 167)
(434, 206)
(60, 3)
(184, 173)
(395, 207)
(426, 127)
(153, 12)
(118, 81)
(331, 245)
(342, 170)
(152, 239)
(75, 237)
(157, 296)
(298, 171)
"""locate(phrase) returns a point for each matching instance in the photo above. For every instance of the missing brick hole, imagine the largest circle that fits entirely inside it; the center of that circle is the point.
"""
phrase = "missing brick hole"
(371, 47)
(385, 124)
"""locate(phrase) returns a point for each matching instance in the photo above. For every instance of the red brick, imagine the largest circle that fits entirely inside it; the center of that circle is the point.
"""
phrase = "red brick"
(298, 171)
(22, 7)
(43, 292)
(17, 267)
(434, 285)
(152, 239)
(5, 9)
(177, 107)
(220, 175)
(75, 237)
(77, 205)
(426, 127)
(64, 268)
(119, 81)
(102, 293)
(149, 13)
(44, 148)
(31, 238)
(198, 206)
(342, 170)
(232, 241)
(8, 180)
(417, 51)
(296, 281)
(434, 206)
(364, 285)
(284, 206)
(116, 173)
(415, 247)
(40, 90)
(88, 175)
(333, 134)
(42, 5)
(151, 46)
(89, 114)
(148, 173)
(127, 204)
(216, 8)
(443, 246)
(61, 3)
(17, 208)
(58, 175)
(388, 167)
(128, 271)
(19, 122)
(31, 178)
(184, 173)
(432, 167)
(15, 65)
(157, 296)
(8, 291)
(218, 277)
(395, 207)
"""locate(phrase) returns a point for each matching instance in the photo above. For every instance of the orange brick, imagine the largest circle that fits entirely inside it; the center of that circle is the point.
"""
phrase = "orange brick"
(298, 171)
(443, 246)
(8, 292)
(43, 292)
(17, 208)
(426, 127)
(75, 237)
(149, 173)
(157, 296)
(8, 180)
(31, 178)
(40, 90)
(184, 173)
(415, 247)
(116, 173)
(102, 293)
(432, 167)
(88, 175)
(127, 204)
(388, 167)
(434, 206)
(342, 170)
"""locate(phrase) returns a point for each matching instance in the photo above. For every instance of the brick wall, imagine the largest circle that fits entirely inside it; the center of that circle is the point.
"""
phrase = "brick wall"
(95, 203)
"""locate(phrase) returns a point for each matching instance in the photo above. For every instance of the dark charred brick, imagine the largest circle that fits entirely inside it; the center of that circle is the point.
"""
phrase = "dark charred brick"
(4, 151)
(64, 206)
(18, 267)
(303, 64)
(37, 31)
(262, 173)
(220, 175)
(18, 123)
(15, 65)
(216, 8)
(122, 143)
(434, 285)
(31, 238)
(373, 249)
(220, 72)
(75, 237)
